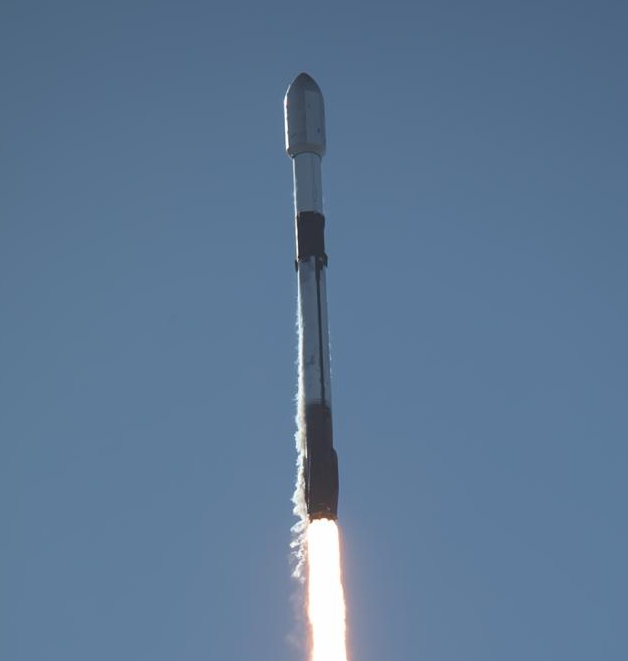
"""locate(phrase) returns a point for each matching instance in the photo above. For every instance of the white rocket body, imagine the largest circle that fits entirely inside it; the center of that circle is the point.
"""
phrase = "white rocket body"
(305, 144)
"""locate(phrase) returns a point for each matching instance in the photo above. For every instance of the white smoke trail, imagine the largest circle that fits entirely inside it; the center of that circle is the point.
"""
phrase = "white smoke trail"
(299, 541)
(299, 638)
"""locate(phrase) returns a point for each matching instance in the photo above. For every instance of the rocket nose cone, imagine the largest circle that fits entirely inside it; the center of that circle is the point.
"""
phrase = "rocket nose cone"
(304, 82)
(305, 117)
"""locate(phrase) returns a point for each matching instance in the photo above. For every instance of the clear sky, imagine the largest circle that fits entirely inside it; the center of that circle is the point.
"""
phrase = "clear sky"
(476, 193)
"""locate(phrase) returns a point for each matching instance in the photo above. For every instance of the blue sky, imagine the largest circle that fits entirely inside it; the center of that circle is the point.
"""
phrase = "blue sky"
(476, 203)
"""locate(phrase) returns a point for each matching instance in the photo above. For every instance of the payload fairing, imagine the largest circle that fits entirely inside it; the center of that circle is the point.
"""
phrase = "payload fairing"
(305, 144)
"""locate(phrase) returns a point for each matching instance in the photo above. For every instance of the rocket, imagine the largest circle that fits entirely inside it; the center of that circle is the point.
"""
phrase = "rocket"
(305, 144)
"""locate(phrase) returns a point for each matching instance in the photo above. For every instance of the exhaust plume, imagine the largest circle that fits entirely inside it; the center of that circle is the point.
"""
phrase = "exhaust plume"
(326, 603)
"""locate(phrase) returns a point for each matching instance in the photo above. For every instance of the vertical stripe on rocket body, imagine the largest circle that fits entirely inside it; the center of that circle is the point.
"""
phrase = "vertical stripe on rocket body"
(311, 263)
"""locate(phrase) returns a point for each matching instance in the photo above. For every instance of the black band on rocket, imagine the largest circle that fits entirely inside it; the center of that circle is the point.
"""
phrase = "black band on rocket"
(321, 463)
(310, 235)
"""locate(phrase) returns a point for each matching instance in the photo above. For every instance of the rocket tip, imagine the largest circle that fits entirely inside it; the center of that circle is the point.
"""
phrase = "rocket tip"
(305, 116)
(305, 79)
(302, 83)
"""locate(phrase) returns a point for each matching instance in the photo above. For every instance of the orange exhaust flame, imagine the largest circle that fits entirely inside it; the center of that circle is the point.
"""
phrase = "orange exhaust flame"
(326, 603)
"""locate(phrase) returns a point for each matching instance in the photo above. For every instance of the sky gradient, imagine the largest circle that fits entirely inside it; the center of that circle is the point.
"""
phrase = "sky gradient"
(476, 197)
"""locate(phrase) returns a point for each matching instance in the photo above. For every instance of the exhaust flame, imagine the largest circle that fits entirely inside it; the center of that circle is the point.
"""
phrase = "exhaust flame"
(326, 603)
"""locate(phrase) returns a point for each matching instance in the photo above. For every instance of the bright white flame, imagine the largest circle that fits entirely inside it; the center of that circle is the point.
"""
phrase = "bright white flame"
(326, 603)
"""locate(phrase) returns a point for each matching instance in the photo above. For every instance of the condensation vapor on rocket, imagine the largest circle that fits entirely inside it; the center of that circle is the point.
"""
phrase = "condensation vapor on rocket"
(299, 543)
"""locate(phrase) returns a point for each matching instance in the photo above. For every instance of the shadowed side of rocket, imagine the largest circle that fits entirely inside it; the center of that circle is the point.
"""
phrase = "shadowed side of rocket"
(305, 144)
